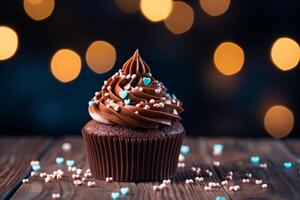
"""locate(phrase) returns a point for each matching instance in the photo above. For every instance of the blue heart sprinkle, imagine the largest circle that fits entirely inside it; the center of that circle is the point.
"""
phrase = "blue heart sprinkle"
(123, 94)
(147, 81)
(184, 149)
(287, 165)
(36, 168)
(220, 198)
(70, 163)
(59, 160)
(127, 101)
(124, 190)
(115, 195)
(255, 159)
(218, 147)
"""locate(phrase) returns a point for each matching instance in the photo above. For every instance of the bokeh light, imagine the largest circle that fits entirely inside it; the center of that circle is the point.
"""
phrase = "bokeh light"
(101, 56)
(128, 6)
(156, 10)
(285, 53)
(181, 18)
(214, 7)
(39, 10)
(229, 58)
(65, 65)
(8, 42)
(279, 121)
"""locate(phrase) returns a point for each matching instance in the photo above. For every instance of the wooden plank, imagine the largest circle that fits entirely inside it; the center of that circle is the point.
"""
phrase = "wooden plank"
(15, 156)
(37, 189)
(282, 183)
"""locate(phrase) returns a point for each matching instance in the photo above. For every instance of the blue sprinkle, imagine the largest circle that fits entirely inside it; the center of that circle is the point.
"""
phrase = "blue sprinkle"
(167, 94)
(127, 101)
(149, 73)
(70, 163)
(218, 147)
(123, 94)
(220, 198)
(255, 159)
(91, 103)
(287, 165)
(115, 195)
(59, 160)
(36, 168)
(173, 96)
(146, 81)
(299, 172)
(125, 190)
(299, 160)
(184, 149)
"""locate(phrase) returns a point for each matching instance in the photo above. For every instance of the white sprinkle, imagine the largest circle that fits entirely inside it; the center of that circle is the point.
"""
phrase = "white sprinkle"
(108, 179)
(127, 87)
(77, 182)
(103, 87)
(181, 165)
(230, 173)
(106, 94)
(105, 82)
(42, 175)
(236, 187)
(128, 76)
(228, 177)
(156, 187)
(173, 101)
(133, 76)
(97, 93)
(264, 185)
(249, 175)
(258, 182)
(152, 101)
(207, 188)
(161, 104)
(141, 89)
(199, 179)
(156, 105)
(91, 183)
(245, 180)
(263, 165)
(162, 186)
(168, 181)
(175, 112)
(109, 87)
(136, 112)
(66, 146)
(33, 174)
(216, 163)
(147, 107)
(224, 182)
(78, 171)
(189, 181)
(168, 101)
(181, 158)
(116, 108)
(47, 179)
(34, 162)
(25, 180)
(55, 196)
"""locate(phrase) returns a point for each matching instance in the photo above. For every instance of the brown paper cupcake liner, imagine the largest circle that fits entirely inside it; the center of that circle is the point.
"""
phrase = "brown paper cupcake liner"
(127, 158)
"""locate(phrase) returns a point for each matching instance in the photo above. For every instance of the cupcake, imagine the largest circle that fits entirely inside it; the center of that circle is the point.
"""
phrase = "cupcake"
(135, 133)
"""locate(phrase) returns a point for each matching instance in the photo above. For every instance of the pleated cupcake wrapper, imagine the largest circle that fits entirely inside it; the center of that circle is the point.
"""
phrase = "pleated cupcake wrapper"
(128, 158)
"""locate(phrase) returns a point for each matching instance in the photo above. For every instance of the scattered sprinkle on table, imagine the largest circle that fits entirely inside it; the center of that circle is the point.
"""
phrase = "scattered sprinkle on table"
(287, 165)
(220, 198)
(184, 149)
(59, 160)
(66, 146)
(70, 163)
(255, 160)
(124, 190)
(115, 195)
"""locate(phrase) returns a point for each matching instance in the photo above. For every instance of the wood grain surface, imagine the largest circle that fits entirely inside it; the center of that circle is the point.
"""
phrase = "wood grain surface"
(282, 183)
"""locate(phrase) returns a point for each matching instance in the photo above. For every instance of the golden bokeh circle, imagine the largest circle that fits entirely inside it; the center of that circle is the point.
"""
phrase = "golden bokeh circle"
(181, 18)
(279, 121)
(8, 42)
(65, 65)
(128, 6)
(285, 53)
(215, 7)
(229, 58)
(39, 10)
(156, 10)
(101, 56)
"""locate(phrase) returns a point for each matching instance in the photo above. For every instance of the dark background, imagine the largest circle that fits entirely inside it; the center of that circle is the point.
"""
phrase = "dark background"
(32, 101)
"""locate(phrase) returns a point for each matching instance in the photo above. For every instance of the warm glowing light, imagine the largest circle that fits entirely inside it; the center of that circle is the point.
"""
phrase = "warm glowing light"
(285, 53)
(101, 56)
(65, 65)
(128, 6)
(279, 121)
(156, 10)
(229, 58)
(38, 10)
(8, 42)
(181, 18)
(214, 7)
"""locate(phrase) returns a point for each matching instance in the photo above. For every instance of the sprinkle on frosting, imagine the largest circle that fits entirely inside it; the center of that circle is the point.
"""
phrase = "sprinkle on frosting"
(133, 98)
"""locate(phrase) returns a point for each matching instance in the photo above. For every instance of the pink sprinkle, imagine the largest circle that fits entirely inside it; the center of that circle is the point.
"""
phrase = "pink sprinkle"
(168, 181)
(91, 183)
(127, 87)
(108, 179)
(249, 175)
(47, 179)
(230, 173)
(116, 108)
(42, 175)
(199, 179)
(33, 174)
(133, 76)
(263, 165)
(245, 180)
(207, 188)
(34, 162)
(189, 181)
(181, 165)
(181, 158)
(228, 177)
(157, 91)
(162, 186)
(161, 104)
(128, 76)
(66, 146)
(147, 107)
(216, 163)
(224, 182)
(25, 180)
(55, 196)
(78, 171)
(141, 89)
(258, 182)
(77, 182)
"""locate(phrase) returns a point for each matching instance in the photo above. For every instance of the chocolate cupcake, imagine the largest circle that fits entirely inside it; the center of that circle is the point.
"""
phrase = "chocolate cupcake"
(135, 133)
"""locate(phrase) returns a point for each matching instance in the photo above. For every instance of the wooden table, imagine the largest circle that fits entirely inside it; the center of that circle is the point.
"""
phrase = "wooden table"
(16, 154)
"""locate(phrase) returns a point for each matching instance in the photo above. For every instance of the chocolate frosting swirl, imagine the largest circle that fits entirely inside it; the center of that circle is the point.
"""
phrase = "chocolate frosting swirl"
(133, 98)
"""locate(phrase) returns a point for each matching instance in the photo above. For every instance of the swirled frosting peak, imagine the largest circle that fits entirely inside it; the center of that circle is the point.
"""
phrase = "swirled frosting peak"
(133, 98)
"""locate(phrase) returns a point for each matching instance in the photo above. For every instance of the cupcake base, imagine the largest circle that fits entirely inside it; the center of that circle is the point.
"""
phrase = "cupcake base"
(132, 155)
